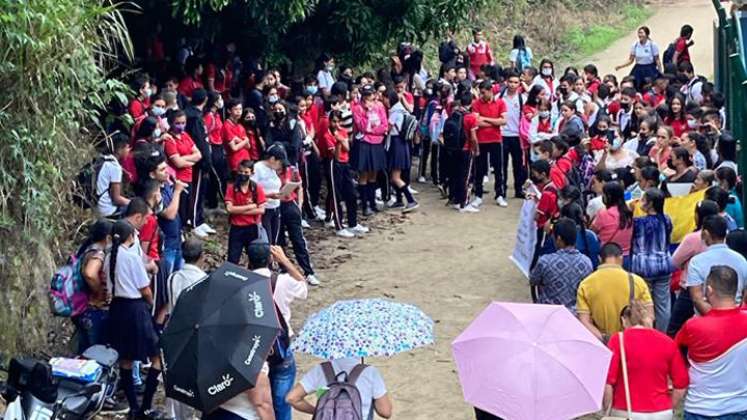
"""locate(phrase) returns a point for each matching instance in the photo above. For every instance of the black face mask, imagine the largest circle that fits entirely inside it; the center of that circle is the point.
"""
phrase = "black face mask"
(625, 106)
(279, 115)
(250, 123)
(242, 179)
(563, 90)
(535, 180)
(670, 164)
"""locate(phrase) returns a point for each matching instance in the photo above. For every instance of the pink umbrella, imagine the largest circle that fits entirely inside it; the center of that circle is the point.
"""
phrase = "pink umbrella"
(528, 361)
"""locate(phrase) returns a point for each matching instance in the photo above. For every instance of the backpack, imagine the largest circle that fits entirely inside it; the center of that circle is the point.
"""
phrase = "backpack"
(84, 186)
(67, 289)
(668, 55)
(453, 132)
(342, 401)
(409, 127)
(522, 60)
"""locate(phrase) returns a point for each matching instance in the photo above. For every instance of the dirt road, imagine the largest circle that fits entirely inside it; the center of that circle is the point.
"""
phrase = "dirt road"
(452, 265)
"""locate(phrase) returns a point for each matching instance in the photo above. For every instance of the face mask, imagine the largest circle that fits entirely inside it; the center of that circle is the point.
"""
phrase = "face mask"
(625, 106)
(250, 123)
(544, 114)
(158, 208)
(219, 104)
(330, 67)
(535, 180)
(242, 179)
(312, 90)
(563, 90)
(148, 92)
(547, 72)
(158, 111)
(616, 143)
(272, 99)
(178, 128)
(429, 92)
(670, 164)
(156, 133)
(279, 115)
(692, 124)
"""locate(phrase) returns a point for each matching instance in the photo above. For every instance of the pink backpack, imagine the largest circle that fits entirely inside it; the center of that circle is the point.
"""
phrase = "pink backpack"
(343, 400)
(68, 291)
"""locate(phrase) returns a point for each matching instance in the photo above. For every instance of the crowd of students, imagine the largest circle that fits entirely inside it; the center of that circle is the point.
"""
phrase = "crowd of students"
(222, 136)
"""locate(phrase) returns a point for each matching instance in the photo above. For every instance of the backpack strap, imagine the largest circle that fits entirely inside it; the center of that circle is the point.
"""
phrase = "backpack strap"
(329, 373)
(356, 373)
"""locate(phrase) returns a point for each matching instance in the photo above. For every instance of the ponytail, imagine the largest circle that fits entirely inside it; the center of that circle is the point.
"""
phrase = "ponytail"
(121, 232)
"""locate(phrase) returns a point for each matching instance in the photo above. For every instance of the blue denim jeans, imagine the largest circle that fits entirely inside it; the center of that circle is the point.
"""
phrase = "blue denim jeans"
(659, 287)
(172, 261)
(733, 416)
(91, 326)
(282, 379)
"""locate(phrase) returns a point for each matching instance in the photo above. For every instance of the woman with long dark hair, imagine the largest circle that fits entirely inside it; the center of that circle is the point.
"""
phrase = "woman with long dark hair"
(587, 242)
(130, 322)
(676, 116)
(650, 253)
(615, 222)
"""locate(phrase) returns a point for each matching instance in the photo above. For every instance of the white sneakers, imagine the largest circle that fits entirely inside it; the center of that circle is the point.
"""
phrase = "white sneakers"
(469, 208)
(203, 230)
(305, 224)
(476, 202)
(421, 179)
(413, 191)
(312, 280)
(320, 213)
(501, 201)
(359, 229)
(345, 233)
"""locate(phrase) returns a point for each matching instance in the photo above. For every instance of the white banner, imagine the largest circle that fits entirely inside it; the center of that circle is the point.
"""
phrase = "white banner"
(526, 237)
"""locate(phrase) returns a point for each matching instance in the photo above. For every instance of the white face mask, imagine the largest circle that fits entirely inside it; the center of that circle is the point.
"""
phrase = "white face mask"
(272, 99)
(616, 143)
(158, 111)
(544, 114)
(219, 104)
(156, 133)
(547, 72)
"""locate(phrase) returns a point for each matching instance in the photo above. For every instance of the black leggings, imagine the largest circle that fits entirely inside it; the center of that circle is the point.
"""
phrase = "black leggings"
(271, 223)
(290, 221)
(239, 238)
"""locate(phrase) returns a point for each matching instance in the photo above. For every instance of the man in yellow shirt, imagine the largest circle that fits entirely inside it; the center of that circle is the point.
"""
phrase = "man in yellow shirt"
(603, 295)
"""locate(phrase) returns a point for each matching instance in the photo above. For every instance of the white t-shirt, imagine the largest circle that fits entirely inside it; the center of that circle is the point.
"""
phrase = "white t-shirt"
(265, 176)
(396, 118)
(240, 404)
(644, 53)
(110, 172)
(182, 280)
(287, 289)
(513, 56)
(612, 163)
(513, 115)
(325, 80)
(370, 384)
(595, 205)
(130, 273)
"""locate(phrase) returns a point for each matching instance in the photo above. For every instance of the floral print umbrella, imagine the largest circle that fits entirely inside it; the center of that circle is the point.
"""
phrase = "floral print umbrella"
(364, 328)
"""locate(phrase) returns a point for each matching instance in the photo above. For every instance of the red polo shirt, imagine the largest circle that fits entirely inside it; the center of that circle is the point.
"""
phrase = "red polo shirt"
(229, 131)
(469, 122)
(492, 109)
(180, 145)
(241, 198)
(711, 335)
(547, 208)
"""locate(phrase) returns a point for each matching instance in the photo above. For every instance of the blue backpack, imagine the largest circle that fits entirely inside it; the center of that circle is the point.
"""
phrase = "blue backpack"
(522, 60)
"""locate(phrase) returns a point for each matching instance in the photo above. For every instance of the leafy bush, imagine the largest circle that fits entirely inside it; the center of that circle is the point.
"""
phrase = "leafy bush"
(53, 75)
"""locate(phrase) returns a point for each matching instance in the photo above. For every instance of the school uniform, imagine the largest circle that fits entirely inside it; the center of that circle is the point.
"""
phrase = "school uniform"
(244, 228)
(462, 163)
(512, 143)
(399, 150)
(371, 127)
(645, 62)
(219, 171)
(290, 221)
(265, 176)
(132, 333)
(343, 187)
(490, 140)
(182, 145)
(311, 171)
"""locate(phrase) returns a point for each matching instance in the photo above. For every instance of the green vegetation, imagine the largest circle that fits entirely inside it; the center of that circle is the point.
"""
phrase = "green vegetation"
(56, 55)
(592, 39)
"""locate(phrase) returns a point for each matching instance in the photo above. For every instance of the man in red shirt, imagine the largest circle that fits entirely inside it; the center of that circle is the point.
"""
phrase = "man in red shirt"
(682, 45)
(547, 202)
(491, 116)
(716, 345)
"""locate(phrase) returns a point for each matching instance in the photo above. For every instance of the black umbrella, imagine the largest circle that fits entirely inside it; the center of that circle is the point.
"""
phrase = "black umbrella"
(218, 337)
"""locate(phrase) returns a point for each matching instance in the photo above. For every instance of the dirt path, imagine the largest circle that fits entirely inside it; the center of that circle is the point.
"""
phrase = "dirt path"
(665, 27)
(452, 265)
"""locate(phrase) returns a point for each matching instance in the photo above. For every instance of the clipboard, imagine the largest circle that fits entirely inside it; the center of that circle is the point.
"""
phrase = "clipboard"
(288, 189)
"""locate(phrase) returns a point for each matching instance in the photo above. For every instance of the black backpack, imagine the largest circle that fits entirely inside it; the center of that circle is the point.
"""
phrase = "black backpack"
(84, 186)
(668, 55)
(409, 127)
(453, 132)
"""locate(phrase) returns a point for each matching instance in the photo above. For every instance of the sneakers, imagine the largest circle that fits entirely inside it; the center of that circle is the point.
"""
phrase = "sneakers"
(305, 224)
(367, 212)
(501, 201)
(421, 179)
(114, 406)
(345, 233)
(200, 232)
(476, 203)
(330, 224)
(320, 213)
(396, 205)
(410, 207)
(443, 191)
(391, 202)
(412, 190)
(207, 228)
(312, 280)
(469, 208)
(358, 229)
